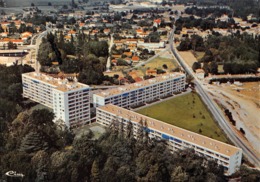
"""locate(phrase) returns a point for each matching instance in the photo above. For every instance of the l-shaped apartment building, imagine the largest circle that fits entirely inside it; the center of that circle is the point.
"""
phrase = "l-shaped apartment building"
(69, 100)
(177, 138)
(138, 93)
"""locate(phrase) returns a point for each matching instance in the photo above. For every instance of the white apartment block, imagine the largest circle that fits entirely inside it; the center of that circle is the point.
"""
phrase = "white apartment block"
(177, 138)
(151, 46)
(141, 92)
(69, 100)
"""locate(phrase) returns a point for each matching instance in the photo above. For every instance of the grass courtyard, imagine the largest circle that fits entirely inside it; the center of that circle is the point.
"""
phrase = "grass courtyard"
(159, 61)
(188, 112)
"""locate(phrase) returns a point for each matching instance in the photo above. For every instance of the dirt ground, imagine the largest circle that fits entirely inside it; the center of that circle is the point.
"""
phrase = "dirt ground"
(244, 105)
(249, 90)
(188, 57)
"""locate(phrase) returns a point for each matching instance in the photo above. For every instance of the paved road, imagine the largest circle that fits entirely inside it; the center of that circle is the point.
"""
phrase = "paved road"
(217, 113)
(37, 45)
(108, 66)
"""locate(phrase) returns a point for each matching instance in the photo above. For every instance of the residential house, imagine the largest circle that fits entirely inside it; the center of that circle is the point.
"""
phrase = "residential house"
(135, 59)
(26, 34)
(128, 54)
(4, 34)
(72, 33)
(106, 31)
(157, 22)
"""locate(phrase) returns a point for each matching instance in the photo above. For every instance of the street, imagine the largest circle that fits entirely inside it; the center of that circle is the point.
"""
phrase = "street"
(216, 112)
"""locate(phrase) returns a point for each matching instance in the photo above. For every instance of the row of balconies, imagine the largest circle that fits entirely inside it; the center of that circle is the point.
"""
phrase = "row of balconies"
(78, 102)
(79, 117)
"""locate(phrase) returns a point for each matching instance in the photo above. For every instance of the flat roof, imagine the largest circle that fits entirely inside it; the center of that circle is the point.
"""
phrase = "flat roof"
(59, 84)
(182, 134)
(141, 84)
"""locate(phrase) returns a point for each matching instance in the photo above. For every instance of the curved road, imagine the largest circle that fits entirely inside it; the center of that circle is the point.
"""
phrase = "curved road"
(215, 110)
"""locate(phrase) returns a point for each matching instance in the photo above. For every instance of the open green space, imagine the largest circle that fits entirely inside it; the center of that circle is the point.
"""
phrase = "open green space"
(159, 61)
(188, 112)
(220, 68)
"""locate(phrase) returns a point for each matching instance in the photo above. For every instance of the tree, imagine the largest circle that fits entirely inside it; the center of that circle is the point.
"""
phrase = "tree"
(45, 53)
(153, 37)
(121, 62)
(189, 79)
(41, 117)
(179, 175)
(11, 45)
(196, 65)
(184, 45)
(33, 142)
(71, 65)
(160, 71)
(95, 175)
(213, 68)
(165, 66)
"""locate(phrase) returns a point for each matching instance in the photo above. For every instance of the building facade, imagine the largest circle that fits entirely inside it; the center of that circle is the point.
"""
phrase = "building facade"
(176, 138)
(69, 100)
(138, 93)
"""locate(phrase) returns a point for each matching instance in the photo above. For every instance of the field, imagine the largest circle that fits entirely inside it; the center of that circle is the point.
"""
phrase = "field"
(244, 103)
(158, 62)
(249, 90)
(199, 55)
(188, 112)
(220, 69)
(188, 57)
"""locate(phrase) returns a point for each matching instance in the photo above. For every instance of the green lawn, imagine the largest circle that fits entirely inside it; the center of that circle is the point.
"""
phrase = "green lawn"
(220, 69)
(188, 112)
(158, 62)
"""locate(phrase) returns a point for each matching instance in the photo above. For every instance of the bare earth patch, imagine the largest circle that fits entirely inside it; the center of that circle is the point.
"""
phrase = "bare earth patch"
(188, 57)
(244, 106)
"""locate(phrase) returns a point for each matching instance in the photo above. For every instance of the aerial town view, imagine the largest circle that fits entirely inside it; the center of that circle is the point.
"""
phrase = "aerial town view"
(129, 90)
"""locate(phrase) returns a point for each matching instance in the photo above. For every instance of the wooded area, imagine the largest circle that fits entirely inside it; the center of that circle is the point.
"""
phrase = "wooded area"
(81, 55)
(238, 53)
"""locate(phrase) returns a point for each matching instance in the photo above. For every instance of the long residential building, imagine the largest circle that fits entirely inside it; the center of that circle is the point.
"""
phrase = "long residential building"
(69, 100)
(177, 138)
(138, 93)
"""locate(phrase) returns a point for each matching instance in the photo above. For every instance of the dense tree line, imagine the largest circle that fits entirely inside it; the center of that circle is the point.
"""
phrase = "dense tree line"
(11, 101)
(244, 8)
(240, 8)
(23, 28)
(39, 149)
(35, 147)
(81, 55)
(203, 23)
(204, 12)
(238, 53)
